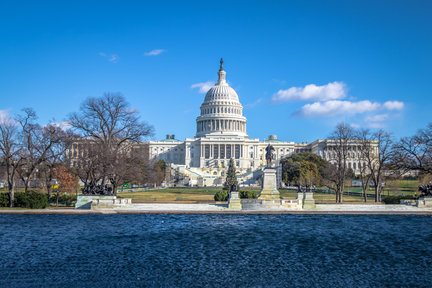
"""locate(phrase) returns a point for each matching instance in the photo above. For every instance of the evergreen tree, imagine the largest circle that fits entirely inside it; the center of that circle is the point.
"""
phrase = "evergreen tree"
(231, 177)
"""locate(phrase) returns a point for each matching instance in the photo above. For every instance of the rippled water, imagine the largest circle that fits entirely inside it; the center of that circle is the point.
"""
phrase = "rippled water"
(215, 251)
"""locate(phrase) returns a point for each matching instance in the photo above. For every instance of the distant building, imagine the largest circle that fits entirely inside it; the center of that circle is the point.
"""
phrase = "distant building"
(221, 135)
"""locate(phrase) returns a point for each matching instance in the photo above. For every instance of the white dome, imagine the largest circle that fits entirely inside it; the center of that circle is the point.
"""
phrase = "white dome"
(221, 111)
(221, 93)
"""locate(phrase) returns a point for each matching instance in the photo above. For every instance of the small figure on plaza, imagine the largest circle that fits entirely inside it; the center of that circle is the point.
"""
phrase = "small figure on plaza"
(269, 154)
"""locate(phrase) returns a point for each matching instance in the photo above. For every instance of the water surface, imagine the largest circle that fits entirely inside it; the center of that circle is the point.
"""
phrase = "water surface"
(149, 250)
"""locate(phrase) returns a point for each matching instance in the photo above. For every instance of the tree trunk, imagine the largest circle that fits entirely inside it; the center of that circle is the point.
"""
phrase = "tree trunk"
(49, 190)
(114, 190)
(341, 194)
(377, 193)
(11, 194)
(26, 184)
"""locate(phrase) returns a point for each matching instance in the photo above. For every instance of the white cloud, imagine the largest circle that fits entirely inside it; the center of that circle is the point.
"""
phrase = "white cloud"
(154, 52)
(393, 105)
(64, 125)
(113, 58)
(203, 86)
(253, 104)
(377, 118)
(335, 107)
(4, 116)
(312, 92)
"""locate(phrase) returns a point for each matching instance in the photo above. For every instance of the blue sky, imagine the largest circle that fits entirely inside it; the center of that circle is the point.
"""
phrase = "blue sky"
(299, 67)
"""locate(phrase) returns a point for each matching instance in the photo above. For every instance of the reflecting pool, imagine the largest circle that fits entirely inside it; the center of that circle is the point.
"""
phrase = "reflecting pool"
(150, 250)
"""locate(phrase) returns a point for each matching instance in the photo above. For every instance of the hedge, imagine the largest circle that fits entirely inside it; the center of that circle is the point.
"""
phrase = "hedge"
(31, 200)
(396, 199)
(248, 194)
(223, 195)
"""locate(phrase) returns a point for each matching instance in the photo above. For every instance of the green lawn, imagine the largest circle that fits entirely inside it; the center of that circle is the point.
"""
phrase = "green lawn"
(193, 195)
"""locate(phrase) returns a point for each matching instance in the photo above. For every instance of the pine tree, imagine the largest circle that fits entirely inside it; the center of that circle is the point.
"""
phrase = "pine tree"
(231, 177)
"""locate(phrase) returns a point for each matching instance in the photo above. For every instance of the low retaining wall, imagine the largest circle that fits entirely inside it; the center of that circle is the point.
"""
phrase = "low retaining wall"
(261, 204)
(101, 202)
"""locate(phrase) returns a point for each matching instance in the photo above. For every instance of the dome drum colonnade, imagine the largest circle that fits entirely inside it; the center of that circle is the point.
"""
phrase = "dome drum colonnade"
(221, 111)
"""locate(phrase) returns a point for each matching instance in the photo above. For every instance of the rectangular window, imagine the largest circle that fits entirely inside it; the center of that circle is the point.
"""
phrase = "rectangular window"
(222, 151)
(228, 151)
(215, 151)
(207, 151)
(237, 151)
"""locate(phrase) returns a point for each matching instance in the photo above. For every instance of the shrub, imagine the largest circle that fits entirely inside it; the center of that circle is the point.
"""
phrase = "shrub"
(63, 198)
(248, 194)
(221, 195)
(31, 200)
(396, 199)
(4, 200)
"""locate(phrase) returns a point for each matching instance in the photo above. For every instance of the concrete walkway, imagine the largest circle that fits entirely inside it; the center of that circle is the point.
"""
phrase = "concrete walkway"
(174, 208)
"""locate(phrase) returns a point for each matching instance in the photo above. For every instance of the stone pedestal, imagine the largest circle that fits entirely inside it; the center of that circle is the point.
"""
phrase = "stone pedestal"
(101, 202)
(269, 188)
(300, 197)
(424, 202)
(309, 201)
(234, 201)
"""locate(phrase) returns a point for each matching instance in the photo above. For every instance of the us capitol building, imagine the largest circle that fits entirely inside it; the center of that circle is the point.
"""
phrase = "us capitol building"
(221, 134)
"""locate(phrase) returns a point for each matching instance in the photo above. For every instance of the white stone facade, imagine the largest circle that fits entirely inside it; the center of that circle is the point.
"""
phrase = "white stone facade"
(221, 135)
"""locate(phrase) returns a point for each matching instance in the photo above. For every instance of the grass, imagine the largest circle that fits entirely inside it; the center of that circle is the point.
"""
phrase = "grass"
(171, 195)
(196, 195)
(193, 195)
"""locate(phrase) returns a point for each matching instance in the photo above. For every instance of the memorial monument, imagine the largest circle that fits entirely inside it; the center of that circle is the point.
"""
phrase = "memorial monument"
(425, 200)
(269, 189)
(97, 196)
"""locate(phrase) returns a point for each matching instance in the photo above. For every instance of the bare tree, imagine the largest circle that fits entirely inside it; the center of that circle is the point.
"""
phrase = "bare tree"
(341, 138)
(37, 143)
(55, 154)
(110, 128)
(10, 149)
(363, 139)
(156, 172)
(415, 152)
(87, 164)
(378, 159)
